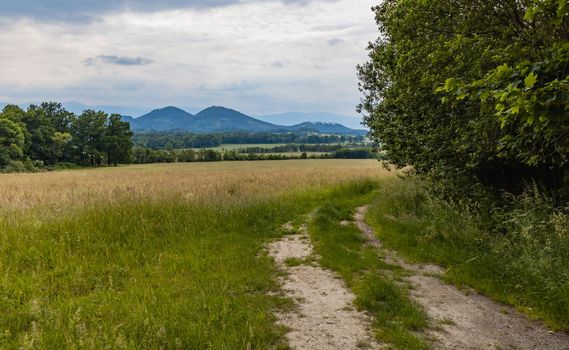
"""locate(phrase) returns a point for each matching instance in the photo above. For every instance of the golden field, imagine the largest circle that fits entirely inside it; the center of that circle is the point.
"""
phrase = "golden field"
(63, 190)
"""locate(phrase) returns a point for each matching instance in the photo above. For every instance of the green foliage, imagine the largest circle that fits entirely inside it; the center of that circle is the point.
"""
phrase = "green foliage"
(48, 134)
(89, 129)
(355, 153)
(11, 140)
(118, 140)
(145, 155)
(478, 89)
(517, 253)
(173, 140)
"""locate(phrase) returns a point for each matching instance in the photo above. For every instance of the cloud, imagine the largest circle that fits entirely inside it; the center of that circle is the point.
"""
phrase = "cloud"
(118, 60)
(335, 42)
(258, 56)
(86, 11)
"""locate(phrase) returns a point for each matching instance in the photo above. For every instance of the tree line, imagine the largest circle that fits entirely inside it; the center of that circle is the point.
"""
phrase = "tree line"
(293, 148)
(172, 141)
(142, 155)
(48, 135)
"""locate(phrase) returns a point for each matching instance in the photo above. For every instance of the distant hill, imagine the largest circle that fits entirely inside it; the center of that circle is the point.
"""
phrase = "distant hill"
(295, 118)
(164, 119)
(221, 119)
(216, 119)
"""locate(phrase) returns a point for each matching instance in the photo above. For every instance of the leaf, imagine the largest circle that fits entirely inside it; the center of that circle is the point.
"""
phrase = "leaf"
(450, 85)
(530, 13)
(530, 80)
(533, 160)
(562, 9)
(503, 71)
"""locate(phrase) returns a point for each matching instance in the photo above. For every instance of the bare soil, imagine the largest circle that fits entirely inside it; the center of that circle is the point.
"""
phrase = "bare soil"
(465, 319)
(325, 317)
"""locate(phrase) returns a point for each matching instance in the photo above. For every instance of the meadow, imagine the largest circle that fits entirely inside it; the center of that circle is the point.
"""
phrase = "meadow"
(174, 255)
(155, 256)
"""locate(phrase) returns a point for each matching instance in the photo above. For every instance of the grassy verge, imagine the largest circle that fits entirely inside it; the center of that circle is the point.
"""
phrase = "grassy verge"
(518, 255)
(343, 249)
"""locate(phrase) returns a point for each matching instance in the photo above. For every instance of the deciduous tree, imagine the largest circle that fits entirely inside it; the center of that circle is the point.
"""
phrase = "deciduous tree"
(471, 88)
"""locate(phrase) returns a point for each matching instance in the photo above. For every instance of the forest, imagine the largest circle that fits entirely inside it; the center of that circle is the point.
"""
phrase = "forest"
(49, 135)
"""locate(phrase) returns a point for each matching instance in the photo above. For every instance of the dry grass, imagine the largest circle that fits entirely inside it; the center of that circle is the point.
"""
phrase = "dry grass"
(58, 192)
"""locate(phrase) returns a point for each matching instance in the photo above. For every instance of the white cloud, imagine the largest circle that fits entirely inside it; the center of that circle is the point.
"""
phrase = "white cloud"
(259, 57)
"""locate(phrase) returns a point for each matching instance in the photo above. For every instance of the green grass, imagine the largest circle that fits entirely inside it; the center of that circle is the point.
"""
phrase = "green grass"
(518, 254)
(160, 273)
(142, 275)
(343, 249)
(146, 275)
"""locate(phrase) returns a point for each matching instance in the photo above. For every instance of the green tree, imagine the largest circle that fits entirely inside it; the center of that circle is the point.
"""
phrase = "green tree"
(88, 141)
(12, 141)
(471, 88)
(118, 140)
(40, 131)
(59, 117)
(60, 145)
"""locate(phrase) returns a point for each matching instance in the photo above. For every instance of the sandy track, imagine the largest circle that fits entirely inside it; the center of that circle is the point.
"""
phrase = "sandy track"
(468, 320)
(325, 317)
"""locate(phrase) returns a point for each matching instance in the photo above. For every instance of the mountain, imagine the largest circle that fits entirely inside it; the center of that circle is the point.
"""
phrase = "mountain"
(294, 118)
(221, 119)
(164, 119)
(217, 119)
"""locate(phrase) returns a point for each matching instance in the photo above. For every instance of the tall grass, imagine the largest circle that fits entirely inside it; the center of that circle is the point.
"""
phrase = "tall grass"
(163, 269)
(517, 254)
(59, 193)
(143, 275)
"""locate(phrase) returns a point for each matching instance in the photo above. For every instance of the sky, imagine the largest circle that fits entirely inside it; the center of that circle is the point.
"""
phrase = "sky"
(257, 56)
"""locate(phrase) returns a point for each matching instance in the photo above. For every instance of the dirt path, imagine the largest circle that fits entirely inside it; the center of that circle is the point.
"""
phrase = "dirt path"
(325, 317)
(468, 320)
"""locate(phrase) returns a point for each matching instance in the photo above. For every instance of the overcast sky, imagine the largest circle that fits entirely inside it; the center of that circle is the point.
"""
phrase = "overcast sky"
(257, 56)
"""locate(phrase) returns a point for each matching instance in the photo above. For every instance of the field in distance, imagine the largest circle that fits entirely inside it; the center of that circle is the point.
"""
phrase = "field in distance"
(230, 147)
(215, 181)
